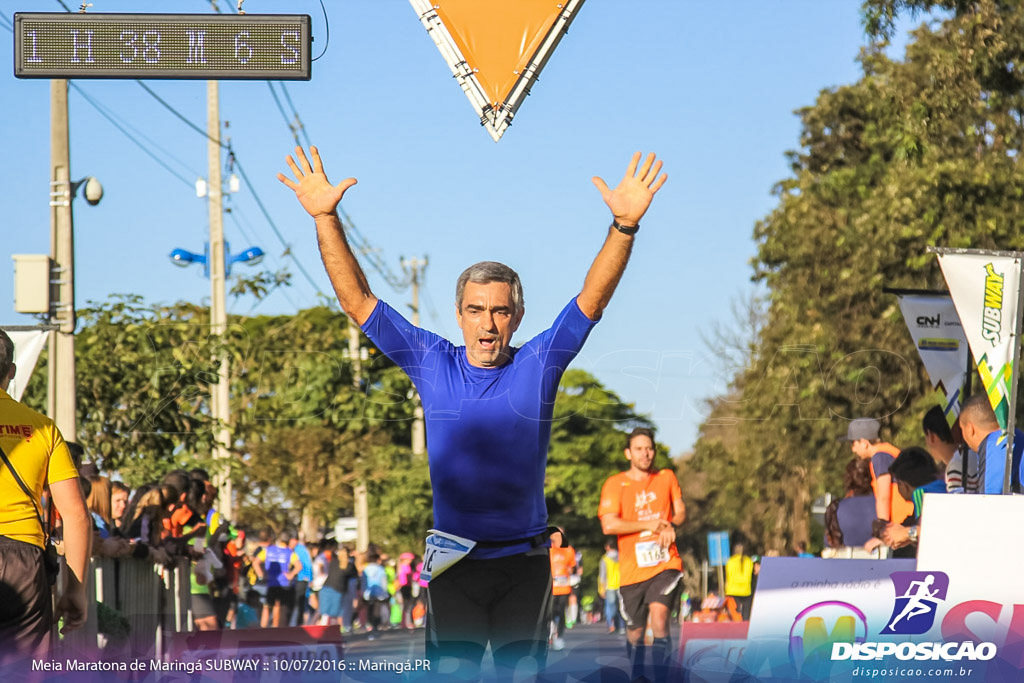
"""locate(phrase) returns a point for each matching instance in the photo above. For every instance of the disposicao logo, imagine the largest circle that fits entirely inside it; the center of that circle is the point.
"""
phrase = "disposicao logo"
(918, 595)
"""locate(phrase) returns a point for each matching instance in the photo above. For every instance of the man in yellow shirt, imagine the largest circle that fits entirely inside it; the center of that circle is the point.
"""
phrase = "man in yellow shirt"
(36, 450)
(739, 575)
(608, 584)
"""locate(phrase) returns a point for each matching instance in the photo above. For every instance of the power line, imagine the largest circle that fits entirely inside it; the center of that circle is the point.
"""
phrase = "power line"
(273, 226)
(298, 121)
(128, 135)
(234, 215)
(184, 165)
(277, 101)
(248, 183)
(179, 115)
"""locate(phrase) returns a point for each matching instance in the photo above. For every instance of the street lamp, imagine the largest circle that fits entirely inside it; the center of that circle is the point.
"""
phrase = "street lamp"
(220, 408)
(184, 258)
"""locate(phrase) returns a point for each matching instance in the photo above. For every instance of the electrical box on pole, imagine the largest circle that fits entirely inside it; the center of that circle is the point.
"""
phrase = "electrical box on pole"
(32, 283)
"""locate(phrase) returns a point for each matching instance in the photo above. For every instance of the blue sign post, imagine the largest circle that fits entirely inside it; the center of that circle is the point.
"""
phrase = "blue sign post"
(718, 548)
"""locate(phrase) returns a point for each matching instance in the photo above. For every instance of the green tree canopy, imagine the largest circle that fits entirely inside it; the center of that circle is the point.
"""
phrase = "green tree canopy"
(919, 152)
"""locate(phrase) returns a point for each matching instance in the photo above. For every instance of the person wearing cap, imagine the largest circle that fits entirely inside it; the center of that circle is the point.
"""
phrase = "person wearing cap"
(488, 408)
(862, 434)
(983, 435)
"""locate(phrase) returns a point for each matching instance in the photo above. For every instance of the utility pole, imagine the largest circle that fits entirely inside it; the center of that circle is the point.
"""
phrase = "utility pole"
(61, 400)
(414, 267)
(220, 409)
(359, 493)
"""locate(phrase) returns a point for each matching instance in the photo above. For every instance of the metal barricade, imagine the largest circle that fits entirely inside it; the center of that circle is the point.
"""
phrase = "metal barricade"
(155, 600)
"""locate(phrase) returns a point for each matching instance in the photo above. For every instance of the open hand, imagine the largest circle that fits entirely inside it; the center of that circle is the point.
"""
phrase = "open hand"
(316, 194)
(631, 198)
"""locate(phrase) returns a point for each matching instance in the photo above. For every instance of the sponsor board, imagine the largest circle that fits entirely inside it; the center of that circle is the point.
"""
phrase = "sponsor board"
(956, 613)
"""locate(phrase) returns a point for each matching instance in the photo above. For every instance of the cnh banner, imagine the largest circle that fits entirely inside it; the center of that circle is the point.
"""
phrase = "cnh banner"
(984, 288)
(939, 337)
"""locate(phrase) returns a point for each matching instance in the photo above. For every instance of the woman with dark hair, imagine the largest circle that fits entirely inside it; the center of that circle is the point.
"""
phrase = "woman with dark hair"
(848, 519)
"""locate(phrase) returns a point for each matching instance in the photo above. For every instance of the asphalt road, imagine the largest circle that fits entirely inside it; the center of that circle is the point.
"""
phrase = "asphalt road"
(591, 655)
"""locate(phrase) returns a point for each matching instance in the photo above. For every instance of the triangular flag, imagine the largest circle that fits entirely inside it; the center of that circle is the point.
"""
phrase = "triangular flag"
(984, 287)
(496, 48)
(940, 340)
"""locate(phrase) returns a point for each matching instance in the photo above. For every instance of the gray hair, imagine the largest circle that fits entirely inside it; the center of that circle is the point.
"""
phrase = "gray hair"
(6, 355)
(486, 272)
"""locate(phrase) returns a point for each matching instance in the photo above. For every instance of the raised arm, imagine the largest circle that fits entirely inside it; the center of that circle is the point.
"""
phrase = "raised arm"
(628, 203)
(320, 199)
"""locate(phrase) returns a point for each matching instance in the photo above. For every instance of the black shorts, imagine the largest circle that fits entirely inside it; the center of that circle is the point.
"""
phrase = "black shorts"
(26, 602)
(282, 594)
(504, 601)
(203, 606)
(635, 598)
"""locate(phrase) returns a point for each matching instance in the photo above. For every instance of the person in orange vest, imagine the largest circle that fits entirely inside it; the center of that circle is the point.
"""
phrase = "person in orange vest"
(643, 506)
(862, 434)
(563, 561)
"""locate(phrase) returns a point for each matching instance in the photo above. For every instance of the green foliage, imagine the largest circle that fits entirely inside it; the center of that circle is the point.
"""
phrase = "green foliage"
(923, 152)
(143, 376)
(588, 437)
(302, 435)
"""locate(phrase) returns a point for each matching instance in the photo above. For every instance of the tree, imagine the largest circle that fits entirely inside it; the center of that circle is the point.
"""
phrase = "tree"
(919, 152)
(143, 378)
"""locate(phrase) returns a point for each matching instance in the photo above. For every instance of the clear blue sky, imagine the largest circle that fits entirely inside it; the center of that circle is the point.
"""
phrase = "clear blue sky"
(710, 86)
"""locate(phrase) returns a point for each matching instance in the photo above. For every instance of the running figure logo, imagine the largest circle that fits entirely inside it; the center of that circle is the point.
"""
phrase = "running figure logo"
(917, 596)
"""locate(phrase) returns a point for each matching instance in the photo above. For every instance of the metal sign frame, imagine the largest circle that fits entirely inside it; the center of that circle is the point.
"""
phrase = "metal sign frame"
(495, 120)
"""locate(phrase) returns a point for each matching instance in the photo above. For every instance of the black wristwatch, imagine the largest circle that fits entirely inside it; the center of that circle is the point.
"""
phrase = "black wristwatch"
(625, 229)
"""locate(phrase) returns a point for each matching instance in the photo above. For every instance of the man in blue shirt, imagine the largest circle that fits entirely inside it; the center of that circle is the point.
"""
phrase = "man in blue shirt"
(488, 408)
(302, 579)
(982, 434)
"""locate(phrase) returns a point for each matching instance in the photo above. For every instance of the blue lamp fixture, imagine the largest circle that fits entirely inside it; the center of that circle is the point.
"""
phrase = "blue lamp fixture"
(183, 258)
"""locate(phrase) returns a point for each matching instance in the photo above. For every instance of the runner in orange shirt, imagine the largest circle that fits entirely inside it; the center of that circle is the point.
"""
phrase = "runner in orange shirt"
(643, 506)
(563, 560)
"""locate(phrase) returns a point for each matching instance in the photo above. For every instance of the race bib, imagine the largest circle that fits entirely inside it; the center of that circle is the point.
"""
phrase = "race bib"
(650, 554)
(560, 580)
(443, 550)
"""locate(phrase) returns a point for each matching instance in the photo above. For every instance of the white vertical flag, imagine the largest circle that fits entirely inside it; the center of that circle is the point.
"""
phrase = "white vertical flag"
(939, 337)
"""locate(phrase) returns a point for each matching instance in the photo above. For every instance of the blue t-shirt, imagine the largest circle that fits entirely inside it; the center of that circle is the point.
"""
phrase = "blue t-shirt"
(855, 516)
(302, 552)
(992, 460)
(375, 582)
(487, 428)
(275, 565)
